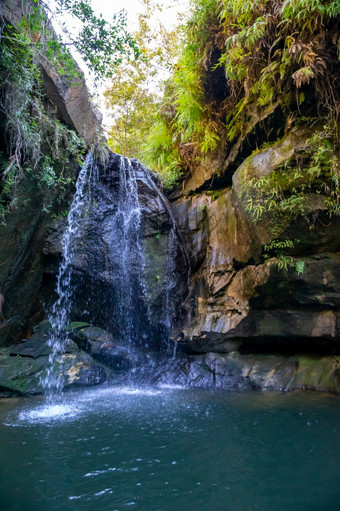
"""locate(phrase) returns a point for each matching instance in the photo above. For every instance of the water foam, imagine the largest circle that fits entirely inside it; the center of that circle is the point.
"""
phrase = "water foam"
(74, 405)
(53, 411)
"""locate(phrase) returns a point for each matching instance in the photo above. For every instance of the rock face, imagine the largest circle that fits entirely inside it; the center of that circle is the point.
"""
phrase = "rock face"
(241, 302)
(71, 98)
(259, 372)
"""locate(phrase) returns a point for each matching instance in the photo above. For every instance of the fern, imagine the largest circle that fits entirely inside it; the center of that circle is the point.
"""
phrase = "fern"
(273, 53)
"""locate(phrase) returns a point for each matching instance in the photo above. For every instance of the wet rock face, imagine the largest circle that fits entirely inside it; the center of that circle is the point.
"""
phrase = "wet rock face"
(155, 264)
(102, 346)
(252, 372)
(22, 238)
(21, 270)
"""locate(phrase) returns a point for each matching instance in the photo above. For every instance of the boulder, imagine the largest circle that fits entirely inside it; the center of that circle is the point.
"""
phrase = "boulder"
(102, 346)
(42, 327)
(23, 374)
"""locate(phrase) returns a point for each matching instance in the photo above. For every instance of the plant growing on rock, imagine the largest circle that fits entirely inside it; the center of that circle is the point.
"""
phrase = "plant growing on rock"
(38, 143)
(248, 71)
(311, 174)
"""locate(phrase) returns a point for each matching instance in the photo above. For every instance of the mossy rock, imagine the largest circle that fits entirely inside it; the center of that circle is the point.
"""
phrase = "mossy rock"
(77, 325)
(42, 327)
(317, 373)
(94, 334)
(21, 375)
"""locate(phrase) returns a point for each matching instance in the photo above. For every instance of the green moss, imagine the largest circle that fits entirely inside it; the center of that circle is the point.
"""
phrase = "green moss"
(317, 373)
(216, 194)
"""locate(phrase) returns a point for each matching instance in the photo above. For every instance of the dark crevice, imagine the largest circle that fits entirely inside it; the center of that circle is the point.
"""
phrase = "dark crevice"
(238, 265)
(215, 85)
(265, 132)
(3, 142)
(290, 346)
(53, 95)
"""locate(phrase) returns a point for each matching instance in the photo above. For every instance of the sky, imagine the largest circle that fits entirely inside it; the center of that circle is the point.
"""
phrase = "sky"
(133, 7)
(169, 18)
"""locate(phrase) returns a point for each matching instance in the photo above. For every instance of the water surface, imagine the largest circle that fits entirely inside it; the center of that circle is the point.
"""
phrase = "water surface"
(166, 449)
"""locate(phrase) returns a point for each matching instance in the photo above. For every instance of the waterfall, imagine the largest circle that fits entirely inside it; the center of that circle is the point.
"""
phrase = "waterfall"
(102, 277)
(175, 245)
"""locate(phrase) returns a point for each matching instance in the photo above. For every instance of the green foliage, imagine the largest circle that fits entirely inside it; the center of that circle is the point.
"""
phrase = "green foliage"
(102, 44)
(273, 53)
(38, 144)
(161, 154)
(139, 126)
(277, 248)
(269, 44)
(131, 96)
(194, 118)
(300, 267)
(185, 116)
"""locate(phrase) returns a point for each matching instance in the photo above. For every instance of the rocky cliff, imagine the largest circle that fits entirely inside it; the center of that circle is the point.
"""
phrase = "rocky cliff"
(258, 203)
(239, 294)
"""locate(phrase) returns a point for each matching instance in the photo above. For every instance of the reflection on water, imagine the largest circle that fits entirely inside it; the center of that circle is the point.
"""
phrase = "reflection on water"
(167, 448)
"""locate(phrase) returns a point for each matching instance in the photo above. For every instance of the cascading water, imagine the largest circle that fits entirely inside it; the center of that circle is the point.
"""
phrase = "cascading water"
(60, 313)
(126, 255)
(175, 245)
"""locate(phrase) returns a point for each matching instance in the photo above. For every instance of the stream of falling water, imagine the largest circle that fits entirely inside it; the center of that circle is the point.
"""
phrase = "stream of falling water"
(59, 316)
(175, 244)
(125, 263)
(126, 254)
